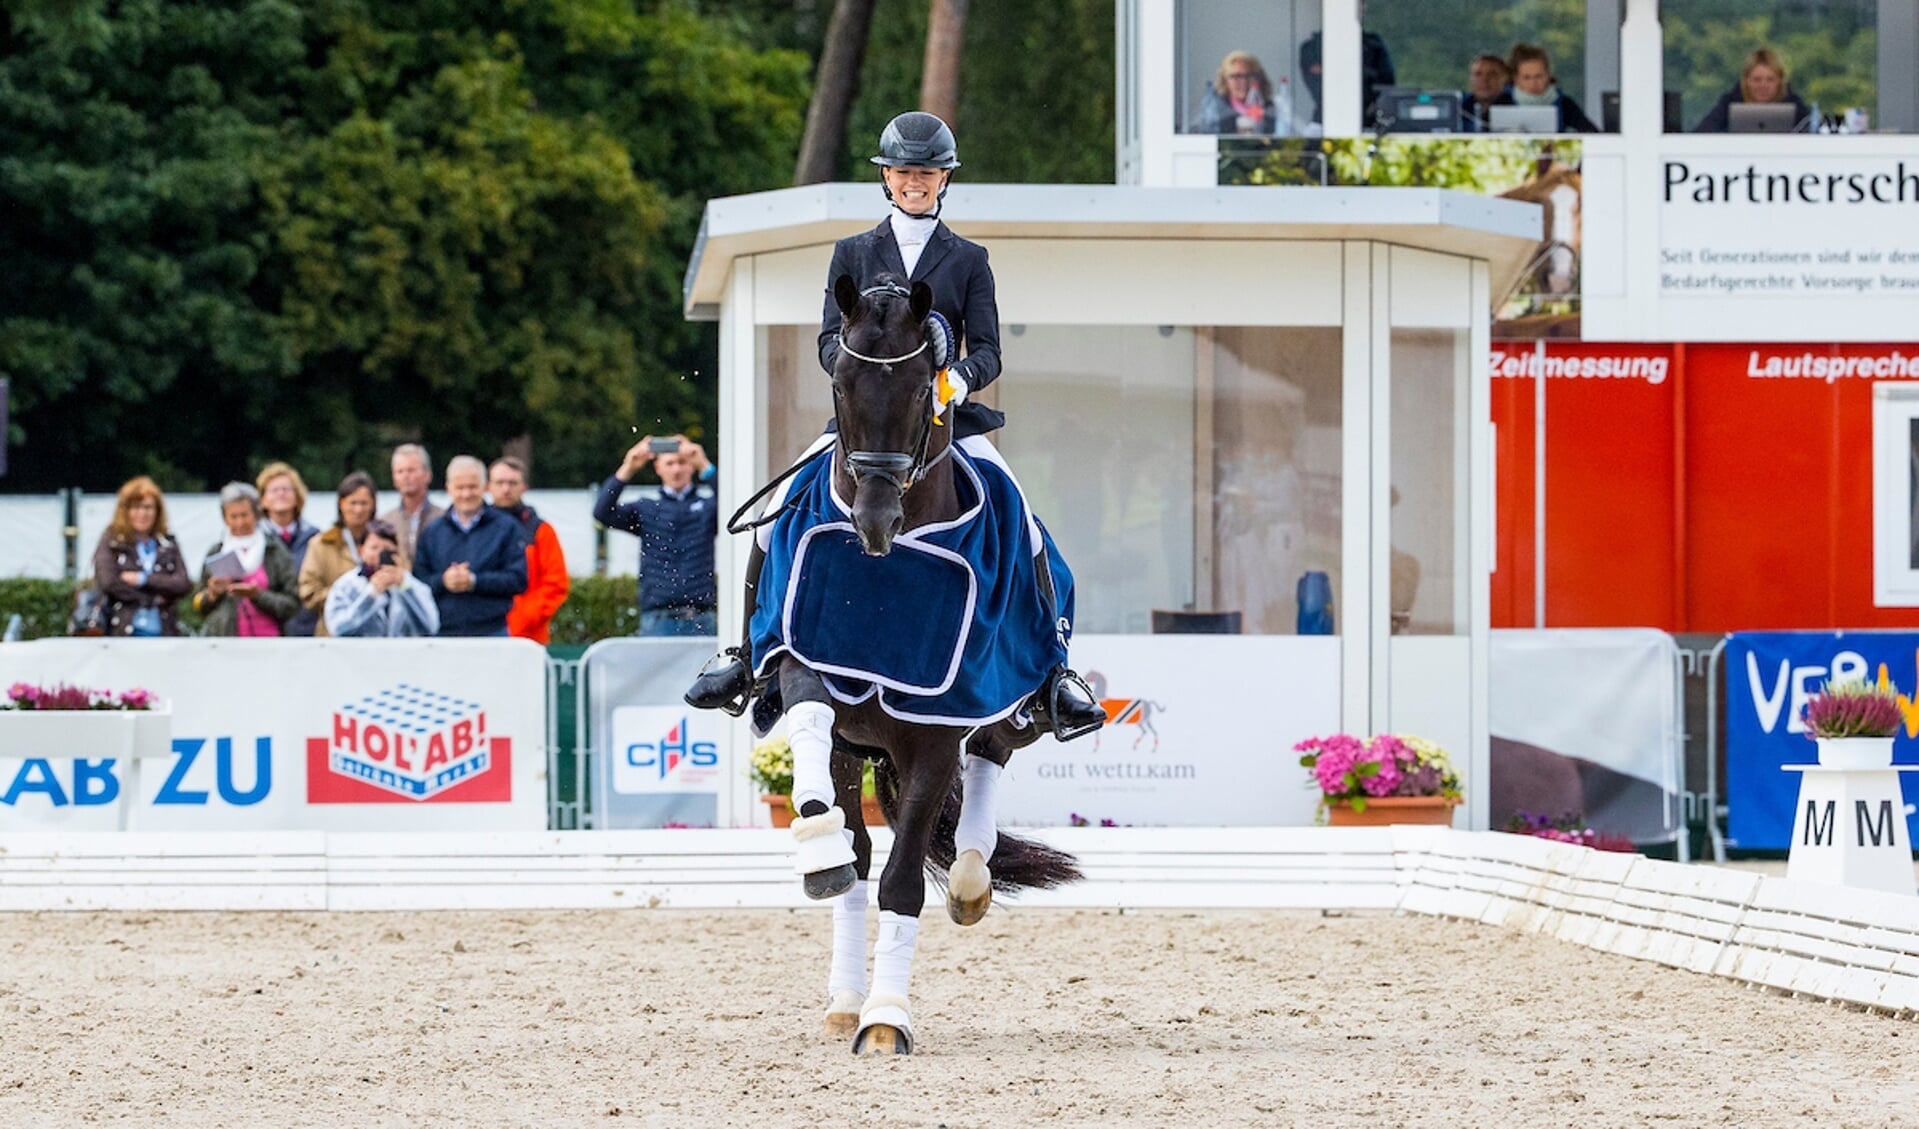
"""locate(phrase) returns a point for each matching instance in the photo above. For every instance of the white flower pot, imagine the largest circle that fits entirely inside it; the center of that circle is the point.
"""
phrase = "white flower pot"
(91, 734)
(1855, 752)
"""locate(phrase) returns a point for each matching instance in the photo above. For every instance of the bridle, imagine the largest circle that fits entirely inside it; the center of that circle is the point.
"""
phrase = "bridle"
(901, 469)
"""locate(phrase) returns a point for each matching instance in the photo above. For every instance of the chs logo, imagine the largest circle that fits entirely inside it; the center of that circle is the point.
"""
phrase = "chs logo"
(662, 749)
(409, 744)
(672, 750)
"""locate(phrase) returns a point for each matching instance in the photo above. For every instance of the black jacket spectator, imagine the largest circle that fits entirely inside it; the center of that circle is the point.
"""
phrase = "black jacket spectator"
(1376, 70)
(1719, 118)
(676, 542)
(963, 293)
(495, 549)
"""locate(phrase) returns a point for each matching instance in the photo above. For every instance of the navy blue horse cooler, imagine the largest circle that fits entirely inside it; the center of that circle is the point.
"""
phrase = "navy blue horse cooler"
(950, 628)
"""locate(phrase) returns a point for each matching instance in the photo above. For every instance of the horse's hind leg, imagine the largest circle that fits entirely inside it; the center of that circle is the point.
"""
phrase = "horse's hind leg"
(824, 858)
(846, 985)
(969, 883)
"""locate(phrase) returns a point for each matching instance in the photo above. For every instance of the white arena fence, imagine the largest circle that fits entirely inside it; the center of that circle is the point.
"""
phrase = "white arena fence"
(1853, 946)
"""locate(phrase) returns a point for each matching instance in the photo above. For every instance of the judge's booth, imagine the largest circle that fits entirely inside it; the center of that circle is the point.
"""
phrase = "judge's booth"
(1256, 422)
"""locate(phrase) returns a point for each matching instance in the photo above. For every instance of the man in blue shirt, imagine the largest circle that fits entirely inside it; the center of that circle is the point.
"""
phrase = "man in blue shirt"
(677, 531)
(473, 557)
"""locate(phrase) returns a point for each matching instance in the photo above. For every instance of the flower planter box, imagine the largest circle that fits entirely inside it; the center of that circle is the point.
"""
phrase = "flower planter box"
(122, 735)
(1388, 810)
(1855, 752)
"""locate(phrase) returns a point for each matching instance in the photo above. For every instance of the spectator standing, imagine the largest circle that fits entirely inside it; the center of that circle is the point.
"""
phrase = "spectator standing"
(283, 495)
(137, 566)
(474, 558)
(380, 599)
(676, 531)
(265, 594)
(1761, 80)
(336, 552)
(1376, 70)
(412, 475)
(1534, 85)
(1485, 82)
(546, 579)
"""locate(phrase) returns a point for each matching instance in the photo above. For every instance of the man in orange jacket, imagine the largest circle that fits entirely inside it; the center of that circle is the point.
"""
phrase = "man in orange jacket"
(546, 580)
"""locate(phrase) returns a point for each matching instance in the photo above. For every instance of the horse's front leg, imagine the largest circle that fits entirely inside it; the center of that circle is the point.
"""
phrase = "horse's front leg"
(846, 984)
(824, 856)
(925, 771)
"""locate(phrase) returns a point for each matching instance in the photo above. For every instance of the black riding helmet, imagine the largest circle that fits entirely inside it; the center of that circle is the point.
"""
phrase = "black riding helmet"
(917, 140)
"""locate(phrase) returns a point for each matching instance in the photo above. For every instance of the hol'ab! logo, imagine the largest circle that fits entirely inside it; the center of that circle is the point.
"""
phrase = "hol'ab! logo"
(409, 744)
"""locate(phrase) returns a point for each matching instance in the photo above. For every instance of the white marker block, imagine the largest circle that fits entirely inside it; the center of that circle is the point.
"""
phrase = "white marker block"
(1849, 828)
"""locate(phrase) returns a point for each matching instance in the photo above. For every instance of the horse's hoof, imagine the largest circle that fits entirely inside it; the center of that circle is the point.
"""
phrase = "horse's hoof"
(883, 1039)
(885, 1027)
(843, 1014)
(823, 884)
(969, 888)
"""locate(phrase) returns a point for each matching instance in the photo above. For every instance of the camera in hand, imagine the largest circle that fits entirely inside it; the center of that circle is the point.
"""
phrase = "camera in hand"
(666, 446)
(388, 558)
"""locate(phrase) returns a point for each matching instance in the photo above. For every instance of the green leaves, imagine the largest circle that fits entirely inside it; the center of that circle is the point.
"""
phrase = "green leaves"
(251, 229)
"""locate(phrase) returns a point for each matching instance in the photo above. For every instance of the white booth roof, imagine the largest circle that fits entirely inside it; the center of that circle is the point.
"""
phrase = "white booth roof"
(1506, 233)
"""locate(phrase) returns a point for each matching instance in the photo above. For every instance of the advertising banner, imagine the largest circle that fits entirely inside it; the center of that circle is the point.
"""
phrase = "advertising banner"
(1842, 231)
(1586, 723)
(298, 735)
(1769, 676)
(1173, 752)
(655, 761)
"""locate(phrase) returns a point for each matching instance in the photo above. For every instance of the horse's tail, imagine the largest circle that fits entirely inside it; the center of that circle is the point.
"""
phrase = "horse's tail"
(1016, 864)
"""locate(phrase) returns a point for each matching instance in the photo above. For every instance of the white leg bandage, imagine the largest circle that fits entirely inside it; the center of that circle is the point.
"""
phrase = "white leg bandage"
(979, 783)
(893, 954)
(849, 943)
(809, 730)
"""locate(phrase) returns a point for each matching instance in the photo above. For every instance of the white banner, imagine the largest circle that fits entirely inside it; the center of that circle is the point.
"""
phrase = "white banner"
(1200, 733)
(1586, 722)
(320, 735)
(1841, 229)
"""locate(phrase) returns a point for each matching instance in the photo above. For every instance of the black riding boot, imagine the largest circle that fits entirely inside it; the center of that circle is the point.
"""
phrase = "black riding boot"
(1066, 705)
(727, 682)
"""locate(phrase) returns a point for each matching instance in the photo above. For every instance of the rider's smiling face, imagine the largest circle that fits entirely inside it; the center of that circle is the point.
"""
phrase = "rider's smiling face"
(916, 191)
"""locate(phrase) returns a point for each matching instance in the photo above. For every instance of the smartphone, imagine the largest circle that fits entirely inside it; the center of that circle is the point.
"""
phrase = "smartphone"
(388, 558)
(665, 446)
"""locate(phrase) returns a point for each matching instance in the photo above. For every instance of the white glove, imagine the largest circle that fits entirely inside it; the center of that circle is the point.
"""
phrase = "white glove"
(952, 389)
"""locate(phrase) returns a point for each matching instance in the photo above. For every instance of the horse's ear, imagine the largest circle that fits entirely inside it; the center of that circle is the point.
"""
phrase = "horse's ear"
(921, 303)
(847, 294)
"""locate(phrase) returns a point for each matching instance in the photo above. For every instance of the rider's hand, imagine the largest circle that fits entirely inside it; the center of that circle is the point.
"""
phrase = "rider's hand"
(952, 389)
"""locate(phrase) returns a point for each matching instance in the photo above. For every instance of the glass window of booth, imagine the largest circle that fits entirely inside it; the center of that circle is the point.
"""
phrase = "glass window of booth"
(1189, 474)
(1820, 66)
(1431, 426)
(1556, 56)
(1237, 68)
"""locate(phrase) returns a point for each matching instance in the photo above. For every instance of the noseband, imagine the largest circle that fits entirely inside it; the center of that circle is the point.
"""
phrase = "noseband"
(899, 468)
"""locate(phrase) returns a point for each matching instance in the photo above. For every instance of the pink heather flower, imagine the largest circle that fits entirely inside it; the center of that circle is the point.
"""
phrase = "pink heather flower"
(137, 699)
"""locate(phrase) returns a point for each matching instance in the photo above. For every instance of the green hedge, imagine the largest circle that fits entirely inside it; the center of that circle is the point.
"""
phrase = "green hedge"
(598, 607)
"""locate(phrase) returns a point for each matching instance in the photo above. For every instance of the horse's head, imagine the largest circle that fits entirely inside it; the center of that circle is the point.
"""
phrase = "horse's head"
(884, 400)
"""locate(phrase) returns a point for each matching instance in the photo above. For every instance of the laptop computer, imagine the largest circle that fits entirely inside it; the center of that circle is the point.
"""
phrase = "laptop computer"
(1405, 110)
(1762, 117)
(1523, 119)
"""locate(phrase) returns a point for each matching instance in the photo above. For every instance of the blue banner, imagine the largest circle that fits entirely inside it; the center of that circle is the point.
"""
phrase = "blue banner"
(1769, 676)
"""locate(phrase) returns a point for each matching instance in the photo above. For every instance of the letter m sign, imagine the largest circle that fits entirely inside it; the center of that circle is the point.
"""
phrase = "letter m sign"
(1818, 827)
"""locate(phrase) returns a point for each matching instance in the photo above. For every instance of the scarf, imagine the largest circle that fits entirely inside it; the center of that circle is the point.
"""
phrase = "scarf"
(252, 548)
(1550, 98)
(1253, 109)
(912, 234)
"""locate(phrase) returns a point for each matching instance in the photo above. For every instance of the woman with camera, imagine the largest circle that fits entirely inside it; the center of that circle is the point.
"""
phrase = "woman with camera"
(677, 530)
(336, 552)
(380, 600)
(248, 587)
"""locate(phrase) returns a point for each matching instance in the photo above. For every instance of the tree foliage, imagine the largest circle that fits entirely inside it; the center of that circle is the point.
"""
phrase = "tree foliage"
(243, 229)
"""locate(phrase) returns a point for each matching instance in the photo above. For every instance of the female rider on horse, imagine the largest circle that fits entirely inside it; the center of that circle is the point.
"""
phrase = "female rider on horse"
(916, 159)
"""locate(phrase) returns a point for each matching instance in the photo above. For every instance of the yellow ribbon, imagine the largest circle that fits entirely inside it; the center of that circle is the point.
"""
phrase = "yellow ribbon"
(945, 391)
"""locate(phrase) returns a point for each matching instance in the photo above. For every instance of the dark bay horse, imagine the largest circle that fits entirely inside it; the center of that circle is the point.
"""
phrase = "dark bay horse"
(893, 458)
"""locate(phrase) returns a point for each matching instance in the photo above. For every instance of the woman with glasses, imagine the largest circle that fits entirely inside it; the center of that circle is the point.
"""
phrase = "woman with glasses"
(1240, 100)
(138, 567)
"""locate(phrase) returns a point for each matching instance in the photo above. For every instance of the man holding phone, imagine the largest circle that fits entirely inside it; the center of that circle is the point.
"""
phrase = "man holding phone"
(677, 531)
